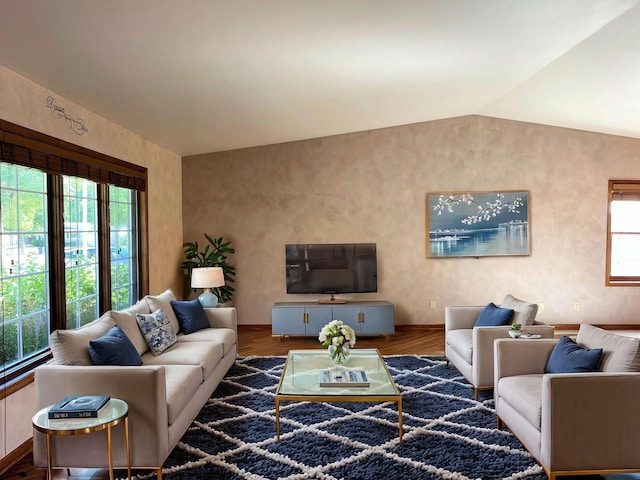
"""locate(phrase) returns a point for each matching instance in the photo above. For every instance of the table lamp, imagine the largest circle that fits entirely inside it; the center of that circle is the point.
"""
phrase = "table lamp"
(207, 278)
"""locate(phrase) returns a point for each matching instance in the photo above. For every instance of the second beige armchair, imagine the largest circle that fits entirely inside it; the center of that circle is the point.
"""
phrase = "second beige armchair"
(470, 348)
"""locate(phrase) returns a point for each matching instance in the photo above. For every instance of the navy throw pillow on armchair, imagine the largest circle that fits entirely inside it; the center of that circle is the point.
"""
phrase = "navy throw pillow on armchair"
(569, 357)
(494, 316)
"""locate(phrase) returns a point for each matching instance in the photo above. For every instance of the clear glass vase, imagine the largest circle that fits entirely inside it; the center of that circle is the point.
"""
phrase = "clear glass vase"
(339, 355)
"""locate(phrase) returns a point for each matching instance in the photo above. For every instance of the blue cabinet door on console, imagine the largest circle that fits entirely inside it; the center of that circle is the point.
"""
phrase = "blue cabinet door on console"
(294, 319)
(376, 320)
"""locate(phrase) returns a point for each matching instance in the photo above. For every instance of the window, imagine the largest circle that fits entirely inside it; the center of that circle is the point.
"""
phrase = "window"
(70, 236)
(80, 250)
(24, 272)
(623, 233)
(123, 246)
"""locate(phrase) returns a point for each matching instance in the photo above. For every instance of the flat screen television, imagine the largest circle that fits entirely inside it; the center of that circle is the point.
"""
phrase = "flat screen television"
(331, 268)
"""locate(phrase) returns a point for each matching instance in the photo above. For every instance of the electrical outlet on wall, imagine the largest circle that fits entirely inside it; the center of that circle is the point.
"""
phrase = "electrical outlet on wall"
(541, 307)
(576, 306)
(432, 304)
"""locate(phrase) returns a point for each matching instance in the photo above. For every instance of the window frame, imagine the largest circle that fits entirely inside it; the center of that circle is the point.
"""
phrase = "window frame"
(25, 147)
(618, 189)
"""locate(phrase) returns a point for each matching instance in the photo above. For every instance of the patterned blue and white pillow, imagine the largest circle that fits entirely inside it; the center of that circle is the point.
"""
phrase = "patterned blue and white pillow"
(157, 331)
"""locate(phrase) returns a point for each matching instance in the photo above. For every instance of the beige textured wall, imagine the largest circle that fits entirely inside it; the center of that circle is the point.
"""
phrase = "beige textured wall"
(371, 187)
(25, 103)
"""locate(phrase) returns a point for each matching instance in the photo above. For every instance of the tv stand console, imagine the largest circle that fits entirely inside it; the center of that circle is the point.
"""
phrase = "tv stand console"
(308, 318)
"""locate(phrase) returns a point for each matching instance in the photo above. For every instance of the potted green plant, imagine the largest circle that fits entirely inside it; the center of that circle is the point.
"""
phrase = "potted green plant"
(215, 254)
(516, 330)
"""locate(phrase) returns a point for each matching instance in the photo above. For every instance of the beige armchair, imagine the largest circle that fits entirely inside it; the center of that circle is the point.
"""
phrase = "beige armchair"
(470, 349)
(572, 423)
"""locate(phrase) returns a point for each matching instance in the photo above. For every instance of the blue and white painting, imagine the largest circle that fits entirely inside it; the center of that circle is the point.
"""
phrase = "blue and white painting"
(477, 224)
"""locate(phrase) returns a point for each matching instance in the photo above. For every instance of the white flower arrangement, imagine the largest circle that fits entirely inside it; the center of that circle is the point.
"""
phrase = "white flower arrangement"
(340, 336)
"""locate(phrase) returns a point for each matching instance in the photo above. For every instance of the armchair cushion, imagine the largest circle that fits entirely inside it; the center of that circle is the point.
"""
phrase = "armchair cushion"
(493, 316)
(569, 357)
(524, 312)
(523, 394)
(620, 353)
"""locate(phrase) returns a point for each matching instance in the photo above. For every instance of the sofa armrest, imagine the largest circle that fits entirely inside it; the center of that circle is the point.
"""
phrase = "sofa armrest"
(590, 421)
(460, 317)
(222, 317)
(143, 388)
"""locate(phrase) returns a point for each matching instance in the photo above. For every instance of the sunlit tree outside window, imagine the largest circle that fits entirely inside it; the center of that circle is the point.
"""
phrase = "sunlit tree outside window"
(24, 281)
(122, 231)
(81, 250)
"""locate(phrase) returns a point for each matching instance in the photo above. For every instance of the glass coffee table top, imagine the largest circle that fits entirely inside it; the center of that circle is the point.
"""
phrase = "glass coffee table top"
(301, 375)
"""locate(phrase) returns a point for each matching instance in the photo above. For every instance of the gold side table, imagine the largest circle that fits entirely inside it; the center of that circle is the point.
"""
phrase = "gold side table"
(115, 412)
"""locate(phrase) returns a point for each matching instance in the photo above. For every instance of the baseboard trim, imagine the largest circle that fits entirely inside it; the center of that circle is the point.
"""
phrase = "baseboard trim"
(15, 456)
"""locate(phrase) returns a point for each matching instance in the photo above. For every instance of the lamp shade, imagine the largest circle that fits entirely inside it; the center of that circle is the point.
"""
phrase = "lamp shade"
(207, 277)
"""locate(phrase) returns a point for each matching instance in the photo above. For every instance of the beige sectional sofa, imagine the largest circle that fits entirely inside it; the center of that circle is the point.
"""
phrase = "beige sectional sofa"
(572, 423)
(164, 394)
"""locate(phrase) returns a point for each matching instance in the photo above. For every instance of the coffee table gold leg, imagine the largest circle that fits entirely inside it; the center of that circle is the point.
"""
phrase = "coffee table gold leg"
(277, 420)
(400, 418)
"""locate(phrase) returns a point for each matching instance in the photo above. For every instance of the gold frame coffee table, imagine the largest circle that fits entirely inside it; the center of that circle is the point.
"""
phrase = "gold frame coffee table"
(300, 381)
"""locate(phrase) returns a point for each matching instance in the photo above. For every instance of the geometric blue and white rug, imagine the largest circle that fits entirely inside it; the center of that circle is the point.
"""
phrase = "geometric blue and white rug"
(447, 434)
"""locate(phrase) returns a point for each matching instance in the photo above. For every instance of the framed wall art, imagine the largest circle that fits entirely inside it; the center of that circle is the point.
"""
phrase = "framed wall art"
(477, 224)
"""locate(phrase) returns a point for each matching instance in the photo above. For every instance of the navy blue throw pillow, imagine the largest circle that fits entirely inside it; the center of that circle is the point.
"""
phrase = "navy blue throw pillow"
(569, 357)
(493, 316)
(114, 348)
(191, 315)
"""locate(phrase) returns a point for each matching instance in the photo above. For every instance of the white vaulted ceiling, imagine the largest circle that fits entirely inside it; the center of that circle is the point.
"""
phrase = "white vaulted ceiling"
(199, 76)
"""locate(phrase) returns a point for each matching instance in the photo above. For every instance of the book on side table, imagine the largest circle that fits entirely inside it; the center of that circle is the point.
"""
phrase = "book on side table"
(343, 378)
(78, 406)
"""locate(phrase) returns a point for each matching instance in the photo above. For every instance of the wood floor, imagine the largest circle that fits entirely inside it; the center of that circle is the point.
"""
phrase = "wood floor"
(257, 340)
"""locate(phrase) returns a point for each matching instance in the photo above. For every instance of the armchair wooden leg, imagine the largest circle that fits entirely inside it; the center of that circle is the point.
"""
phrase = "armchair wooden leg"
(476, 393)
(159, 474)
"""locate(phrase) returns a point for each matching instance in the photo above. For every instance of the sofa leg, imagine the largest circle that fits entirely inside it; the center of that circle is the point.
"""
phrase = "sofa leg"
(159, 474)
(476, 393)
(498, 423)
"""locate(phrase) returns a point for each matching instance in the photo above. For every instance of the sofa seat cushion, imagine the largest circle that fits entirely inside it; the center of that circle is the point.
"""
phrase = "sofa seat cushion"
(205, 355)
(225, 336)
(619, 353)
(182, 382)
(71, 347)
(461, 341)
(524, 394)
